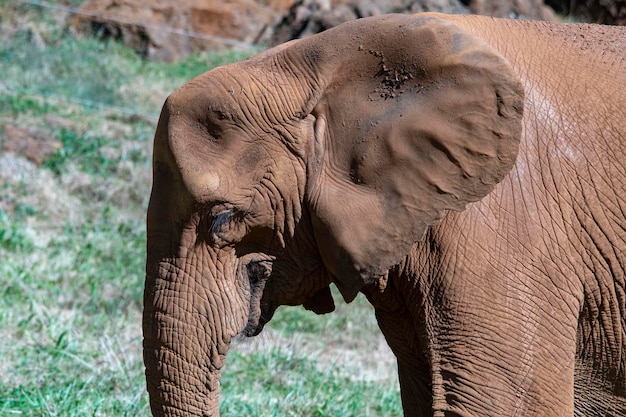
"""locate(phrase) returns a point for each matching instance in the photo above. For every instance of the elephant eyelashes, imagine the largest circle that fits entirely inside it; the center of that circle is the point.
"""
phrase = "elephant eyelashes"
(227, 228)
(221, 219)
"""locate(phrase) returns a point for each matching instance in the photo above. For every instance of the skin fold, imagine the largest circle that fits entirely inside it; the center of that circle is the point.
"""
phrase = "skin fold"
(467, 174)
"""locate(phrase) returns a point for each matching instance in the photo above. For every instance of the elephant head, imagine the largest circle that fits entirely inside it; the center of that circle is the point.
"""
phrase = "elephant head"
(320, 161)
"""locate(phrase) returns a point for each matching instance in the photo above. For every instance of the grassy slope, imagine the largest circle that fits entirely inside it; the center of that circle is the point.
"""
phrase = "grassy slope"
(72, 249)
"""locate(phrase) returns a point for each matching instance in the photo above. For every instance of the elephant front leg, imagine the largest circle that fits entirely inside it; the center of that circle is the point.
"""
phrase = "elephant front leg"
(472, 360)
(500, 360)
(402, 335)
(415, 390)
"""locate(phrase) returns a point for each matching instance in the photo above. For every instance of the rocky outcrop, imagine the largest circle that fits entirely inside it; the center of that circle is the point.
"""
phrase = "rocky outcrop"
(610, 12)
(512, 9)
(31, 143)
(167, 30)
(307, 17)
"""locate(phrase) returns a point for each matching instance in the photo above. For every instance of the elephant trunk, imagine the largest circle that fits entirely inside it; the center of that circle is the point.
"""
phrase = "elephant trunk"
(168, 398)
(182, 360)
(190, 314)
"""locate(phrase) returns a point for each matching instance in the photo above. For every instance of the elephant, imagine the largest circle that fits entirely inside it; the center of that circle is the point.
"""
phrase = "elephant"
(466, 174)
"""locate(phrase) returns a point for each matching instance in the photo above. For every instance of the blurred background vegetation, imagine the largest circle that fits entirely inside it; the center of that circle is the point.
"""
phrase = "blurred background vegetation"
(77, 117)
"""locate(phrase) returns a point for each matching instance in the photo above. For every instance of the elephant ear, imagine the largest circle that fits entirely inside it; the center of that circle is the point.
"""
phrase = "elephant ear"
(415, 117)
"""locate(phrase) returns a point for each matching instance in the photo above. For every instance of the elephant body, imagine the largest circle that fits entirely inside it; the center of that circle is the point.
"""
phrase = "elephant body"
(544, 252)
(467, 174)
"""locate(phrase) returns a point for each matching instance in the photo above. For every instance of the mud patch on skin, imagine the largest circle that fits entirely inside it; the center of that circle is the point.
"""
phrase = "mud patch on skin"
(393, 81)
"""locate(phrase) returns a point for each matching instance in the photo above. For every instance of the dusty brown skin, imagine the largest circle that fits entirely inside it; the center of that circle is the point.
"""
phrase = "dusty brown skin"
(467, 174)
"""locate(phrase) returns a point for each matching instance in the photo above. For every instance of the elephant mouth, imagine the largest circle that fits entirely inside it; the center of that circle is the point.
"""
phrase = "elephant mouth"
(255, 324)
(257, 272)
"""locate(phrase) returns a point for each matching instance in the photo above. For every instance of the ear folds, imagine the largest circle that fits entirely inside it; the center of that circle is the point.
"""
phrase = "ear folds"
(417, 117)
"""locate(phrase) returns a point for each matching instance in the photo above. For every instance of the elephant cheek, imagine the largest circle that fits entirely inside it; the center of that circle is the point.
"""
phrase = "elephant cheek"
(186, 337)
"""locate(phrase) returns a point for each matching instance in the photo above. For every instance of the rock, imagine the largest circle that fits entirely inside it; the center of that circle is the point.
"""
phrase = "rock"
(281, 6)
(307, 17)
(440, 6)
(30, 143)
(168, 30)
(608, 12)
(512, 9)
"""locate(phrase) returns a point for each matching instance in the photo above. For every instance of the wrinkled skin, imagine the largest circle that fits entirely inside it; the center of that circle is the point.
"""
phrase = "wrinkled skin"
(466, 174)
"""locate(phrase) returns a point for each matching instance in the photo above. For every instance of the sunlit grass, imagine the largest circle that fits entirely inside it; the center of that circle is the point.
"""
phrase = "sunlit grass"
(282, 382)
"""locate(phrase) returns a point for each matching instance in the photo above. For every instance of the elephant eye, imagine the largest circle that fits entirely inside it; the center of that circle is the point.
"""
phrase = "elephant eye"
(227, 227)
(222, 218)
(221, 222)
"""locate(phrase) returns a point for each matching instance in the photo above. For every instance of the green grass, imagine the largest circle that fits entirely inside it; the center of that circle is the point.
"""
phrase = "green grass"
(72, 244)
(93, 154)
(12, 235)
(283, 383)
